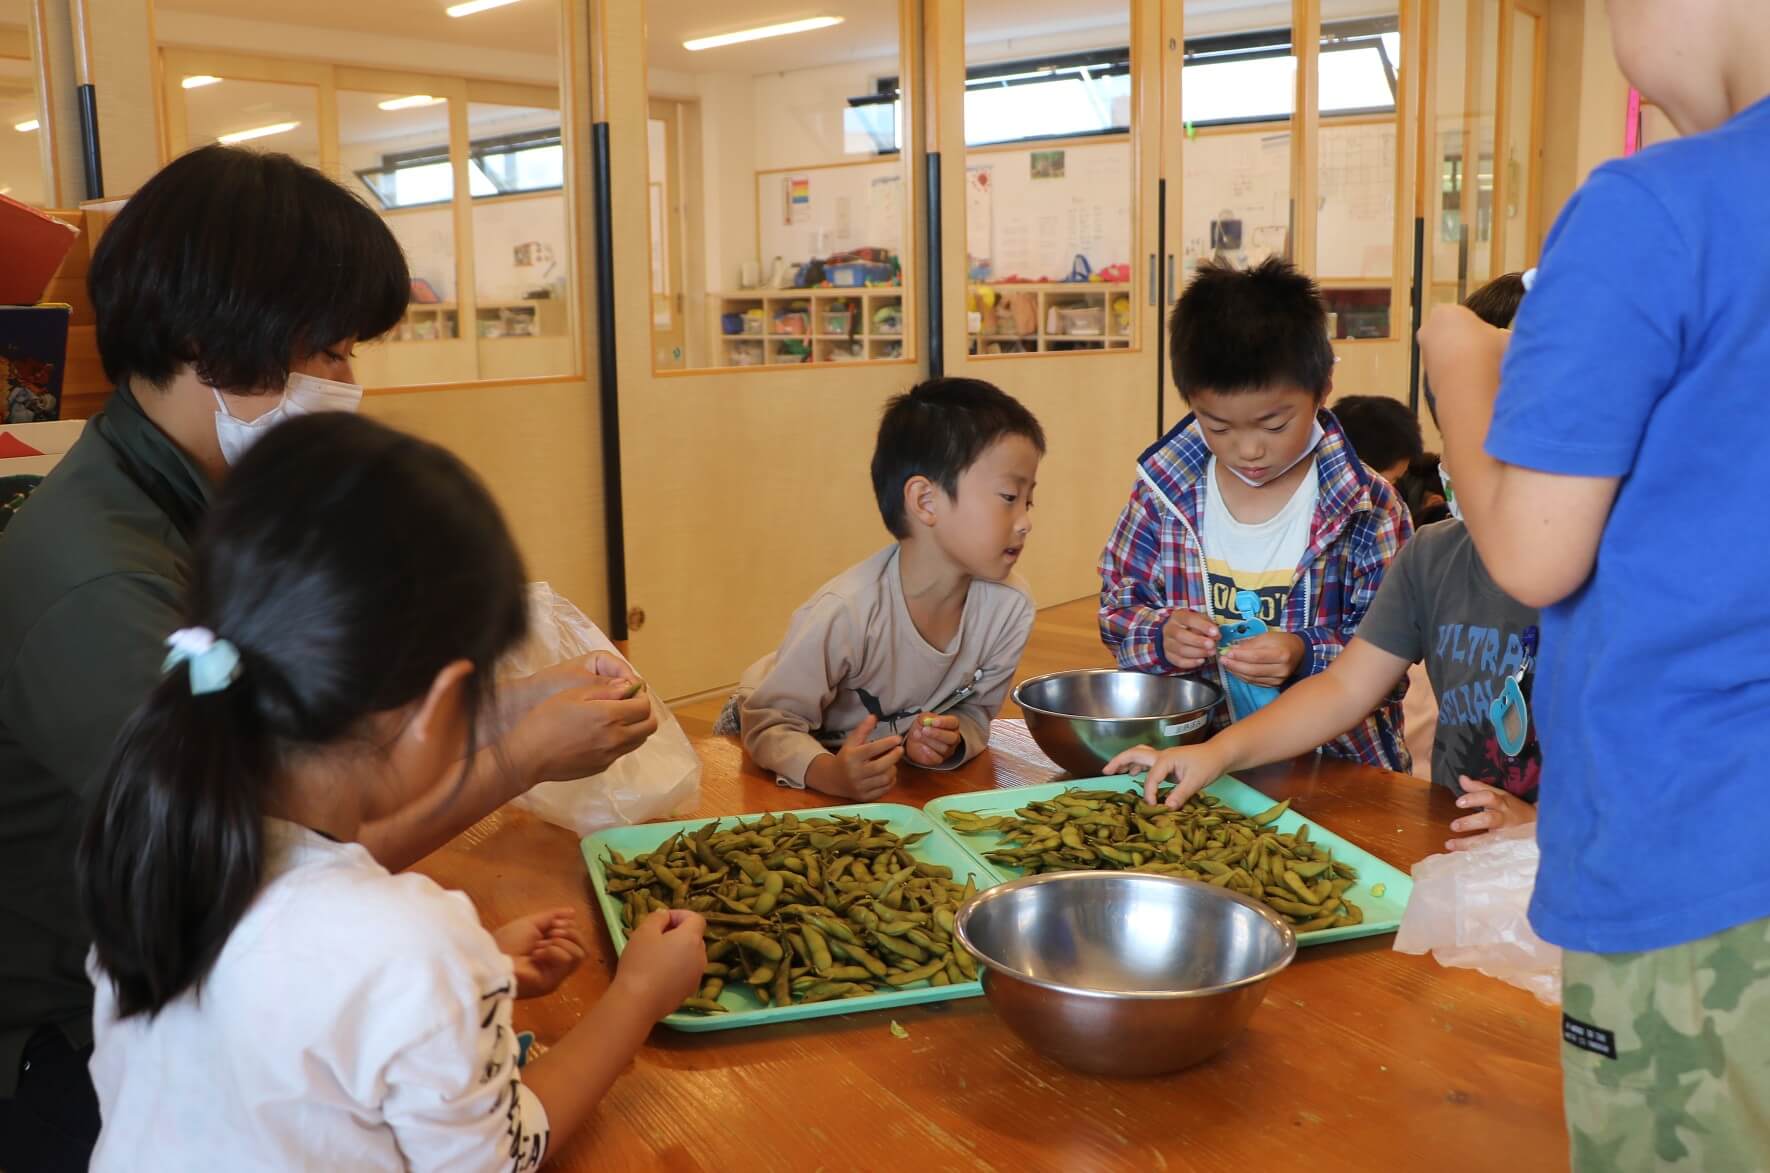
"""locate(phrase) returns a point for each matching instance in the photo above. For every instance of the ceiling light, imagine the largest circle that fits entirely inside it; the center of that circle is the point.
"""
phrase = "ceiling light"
(198, 80)
(757, 34)
(411, 103)
(240, 136)
(473, 6)
(27, 126)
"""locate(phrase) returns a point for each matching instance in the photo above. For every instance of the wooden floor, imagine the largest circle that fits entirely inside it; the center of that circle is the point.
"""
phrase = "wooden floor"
(1064, 636)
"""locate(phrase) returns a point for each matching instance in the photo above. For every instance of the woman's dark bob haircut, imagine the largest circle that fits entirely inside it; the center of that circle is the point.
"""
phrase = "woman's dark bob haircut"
(236, 264)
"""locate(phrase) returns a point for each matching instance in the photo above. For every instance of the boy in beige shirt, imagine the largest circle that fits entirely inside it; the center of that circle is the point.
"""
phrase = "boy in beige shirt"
(910, 653)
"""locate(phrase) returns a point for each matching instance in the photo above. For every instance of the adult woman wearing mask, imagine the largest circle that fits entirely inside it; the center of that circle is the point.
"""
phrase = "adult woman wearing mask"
(228, 294)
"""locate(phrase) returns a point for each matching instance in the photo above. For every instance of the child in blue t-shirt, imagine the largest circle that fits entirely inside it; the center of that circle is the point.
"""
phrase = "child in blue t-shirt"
(1623, 431)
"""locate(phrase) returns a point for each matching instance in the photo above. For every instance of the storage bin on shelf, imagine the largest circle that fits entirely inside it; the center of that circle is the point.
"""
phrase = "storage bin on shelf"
(853, 274)
(796, 320)
(1080, 321)
(838, 319)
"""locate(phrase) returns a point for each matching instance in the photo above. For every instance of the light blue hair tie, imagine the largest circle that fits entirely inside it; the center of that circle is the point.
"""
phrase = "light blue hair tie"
(214, 663)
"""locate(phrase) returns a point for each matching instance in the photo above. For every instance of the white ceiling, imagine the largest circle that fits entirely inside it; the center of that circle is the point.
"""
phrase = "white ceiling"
(869, 30)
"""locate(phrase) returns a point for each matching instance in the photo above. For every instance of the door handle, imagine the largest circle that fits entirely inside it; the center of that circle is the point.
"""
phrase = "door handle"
(1152, 272)
(1173, 294)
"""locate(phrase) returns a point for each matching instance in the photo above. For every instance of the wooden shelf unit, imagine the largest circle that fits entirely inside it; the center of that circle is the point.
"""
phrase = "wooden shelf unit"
(1055, 329)
(822, 340)
(543, 317)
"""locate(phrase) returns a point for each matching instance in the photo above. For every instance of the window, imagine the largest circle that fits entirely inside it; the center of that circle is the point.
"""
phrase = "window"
(1075, 95)
(1251, 77)
(526, 161)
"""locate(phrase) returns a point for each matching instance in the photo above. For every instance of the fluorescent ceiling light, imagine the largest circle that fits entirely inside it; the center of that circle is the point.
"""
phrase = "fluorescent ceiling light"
(240, 136)
(198, 80)
(27, 126)
(473, 6)
(757, 34)
(411, 103)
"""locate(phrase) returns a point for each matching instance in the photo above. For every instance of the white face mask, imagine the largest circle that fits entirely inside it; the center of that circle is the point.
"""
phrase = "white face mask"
(1315, 437)
(1450, 495)
(302, 395)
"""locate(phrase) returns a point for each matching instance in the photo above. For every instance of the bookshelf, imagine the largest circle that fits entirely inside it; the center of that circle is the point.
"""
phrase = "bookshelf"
(791, 327)
(1068, 316)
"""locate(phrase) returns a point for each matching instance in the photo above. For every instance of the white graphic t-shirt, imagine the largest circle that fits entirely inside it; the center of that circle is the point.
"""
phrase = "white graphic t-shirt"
(354, 1020)
(1259, 557)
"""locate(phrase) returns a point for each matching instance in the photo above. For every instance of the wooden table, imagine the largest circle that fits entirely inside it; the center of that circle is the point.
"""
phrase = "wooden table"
(1360, 1059)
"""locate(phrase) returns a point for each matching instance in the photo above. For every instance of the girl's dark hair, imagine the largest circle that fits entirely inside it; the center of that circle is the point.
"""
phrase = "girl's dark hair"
(937, 429)
(234, 263)
(348, 564)
(1235, 330)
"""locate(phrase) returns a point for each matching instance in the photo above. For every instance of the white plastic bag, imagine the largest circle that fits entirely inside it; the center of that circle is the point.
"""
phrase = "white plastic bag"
(659, 779)
(1468, 910)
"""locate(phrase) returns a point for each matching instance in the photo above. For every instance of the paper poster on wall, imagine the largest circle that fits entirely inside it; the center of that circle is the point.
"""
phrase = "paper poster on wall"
(885, 209)
(979, 218)
(1039, 227)
(844, 218)
(798, 199)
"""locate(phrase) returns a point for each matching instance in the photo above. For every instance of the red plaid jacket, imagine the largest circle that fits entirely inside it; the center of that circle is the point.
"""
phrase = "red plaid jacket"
(1154, 565)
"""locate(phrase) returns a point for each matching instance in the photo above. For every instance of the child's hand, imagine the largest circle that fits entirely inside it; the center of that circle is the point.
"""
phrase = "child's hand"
(545, 946)
(862, 770)
(932, 739)
(1189, 639)
(1453, 338)
(581, 731)
(1269, 659)
(1190, 767)
(663, 961)
(1494, 809)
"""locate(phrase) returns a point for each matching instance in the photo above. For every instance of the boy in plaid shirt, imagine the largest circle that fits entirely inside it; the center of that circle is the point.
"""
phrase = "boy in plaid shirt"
(1254, 506)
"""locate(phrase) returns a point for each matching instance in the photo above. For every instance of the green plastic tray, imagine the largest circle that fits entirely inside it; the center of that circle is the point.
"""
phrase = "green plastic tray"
(940, 847)
(1382, 914)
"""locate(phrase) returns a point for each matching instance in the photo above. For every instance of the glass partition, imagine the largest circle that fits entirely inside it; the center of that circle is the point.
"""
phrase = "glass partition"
(780, 210)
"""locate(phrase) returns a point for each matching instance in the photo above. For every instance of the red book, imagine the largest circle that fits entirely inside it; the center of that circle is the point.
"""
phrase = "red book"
(34, 245)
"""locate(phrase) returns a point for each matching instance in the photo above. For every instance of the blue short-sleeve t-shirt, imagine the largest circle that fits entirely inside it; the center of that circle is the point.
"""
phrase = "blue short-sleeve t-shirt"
(1643, 352)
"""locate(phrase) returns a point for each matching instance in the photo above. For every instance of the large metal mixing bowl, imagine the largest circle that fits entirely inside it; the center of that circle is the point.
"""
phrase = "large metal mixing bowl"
(1083, 719)
(1122, 973)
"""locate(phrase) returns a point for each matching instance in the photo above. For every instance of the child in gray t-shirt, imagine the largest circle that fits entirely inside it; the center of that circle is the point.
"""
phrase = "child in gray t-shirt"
(1436, 605)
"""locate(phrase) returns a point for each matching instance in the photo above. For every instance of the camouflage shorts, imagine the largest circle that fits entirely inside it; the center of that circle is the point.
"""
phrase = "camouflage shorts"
(1666, 1055)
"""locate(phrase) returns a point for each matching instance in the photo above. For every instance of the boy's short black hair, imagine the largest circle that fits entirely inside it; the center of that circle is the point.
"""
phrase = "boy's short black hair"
(1496, 303)
(235, 263)
(937, 429)
(1382, 430)
(1236, 330)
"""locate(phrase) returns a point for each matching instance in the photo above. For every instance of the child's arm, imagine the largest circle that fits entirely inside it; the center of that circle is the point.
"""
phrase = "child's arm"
(1305, 716)
(661, 966)
(1376, 542)
(964, 732)
(1537, 531)
(1134, 606)
(790, 702)
(823, 647)
(1599, 340)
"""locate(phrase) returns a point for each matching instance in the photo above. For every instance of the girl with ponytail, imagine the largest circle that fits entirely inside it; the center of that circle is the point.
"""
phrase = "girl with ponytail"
(269, 995)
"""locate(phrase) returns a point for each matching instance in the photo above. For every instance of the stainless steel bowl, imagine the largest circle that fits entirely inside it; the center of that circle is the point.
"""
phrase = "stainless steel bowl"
(1121, 973)
(1083, 719)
